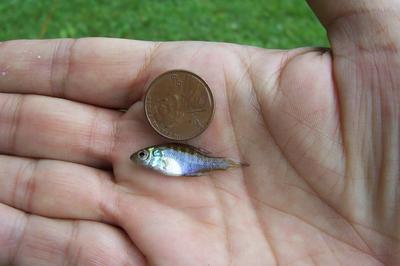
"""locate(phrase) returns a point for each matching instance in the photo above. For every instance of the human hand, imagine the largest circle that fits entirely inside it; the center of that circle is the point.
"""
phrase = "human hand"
(320, 131)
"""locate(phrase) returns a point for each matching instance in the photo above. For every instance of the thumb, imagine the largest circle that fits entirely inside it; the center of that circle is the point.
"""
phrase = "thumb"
(359, 24)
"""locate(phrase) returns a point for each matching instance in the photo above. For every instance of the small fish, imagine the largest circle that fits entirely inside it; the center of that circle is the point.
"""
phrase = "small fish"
(175, 159)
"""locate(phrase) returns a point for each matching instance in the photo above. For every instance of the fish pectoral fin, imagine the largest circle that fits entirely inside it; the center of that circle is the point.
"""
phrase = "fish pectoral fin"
(195, 174)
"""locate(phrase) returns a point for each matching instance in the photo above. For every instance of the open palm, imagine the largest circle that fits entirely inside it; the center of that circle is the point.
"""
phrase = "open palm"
(319, 129)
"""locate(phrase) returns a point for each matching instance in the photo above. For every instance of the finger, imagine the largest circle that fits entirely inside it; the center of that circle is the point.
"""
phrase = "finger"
(34, 240)
(44, 127)
(100, 71)
(54, 189)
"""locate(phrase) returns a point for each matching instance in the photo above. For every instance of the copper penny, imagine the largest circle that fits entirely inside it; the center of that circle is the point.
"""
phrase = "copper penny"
(179, 105)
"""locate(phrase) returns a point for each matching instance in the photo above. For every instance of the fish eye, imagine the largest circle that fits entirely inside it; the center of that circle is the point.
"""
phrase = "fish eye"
(143, 154)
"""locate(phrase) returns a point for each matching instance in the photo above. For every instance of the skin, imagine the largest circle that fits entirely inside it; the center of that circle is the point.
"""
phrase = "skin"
(319, 127)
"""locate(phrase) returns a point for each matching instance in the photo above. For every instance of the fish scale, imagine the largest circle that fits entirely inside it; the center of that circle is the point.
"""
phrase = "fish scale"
(177, 159)
(190, 162)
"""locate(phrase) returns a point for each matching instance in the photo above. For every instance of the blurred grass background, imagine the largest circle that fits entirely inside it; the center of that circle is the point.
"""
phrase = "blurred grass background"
(265, 23)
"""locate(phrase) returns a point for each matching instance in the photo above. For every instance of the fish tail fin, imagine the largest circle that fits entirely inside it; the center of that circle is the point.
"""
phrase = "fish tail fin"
(236, 164)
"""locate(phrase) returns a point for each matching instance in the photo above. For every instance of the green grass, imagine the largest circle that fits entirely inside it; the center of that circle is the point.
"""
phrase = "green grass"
(265, 23)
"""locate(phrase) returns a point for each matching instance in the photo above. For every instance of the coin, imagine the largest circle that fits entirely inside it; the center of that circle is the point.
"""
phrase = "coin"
(179, 105)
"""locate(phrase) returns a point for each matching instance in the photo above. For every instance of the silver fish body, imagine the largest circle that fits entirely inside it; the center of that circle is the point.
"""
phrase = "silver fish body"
(176, 159)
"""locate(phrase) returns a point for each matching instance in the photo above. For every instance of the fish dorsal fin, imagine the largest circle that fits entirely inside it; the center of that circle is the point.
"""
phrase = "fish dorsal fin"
(201, 150)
